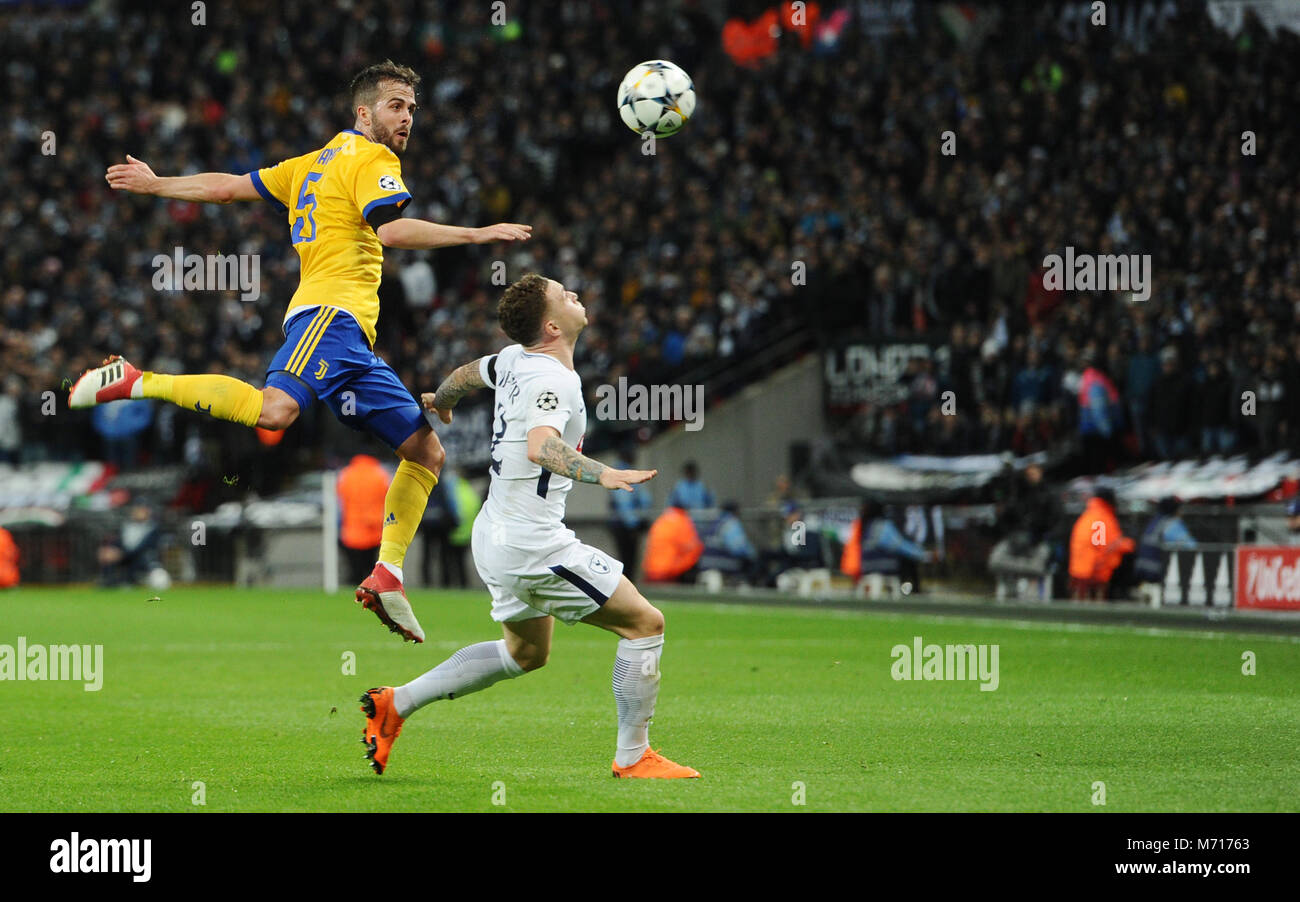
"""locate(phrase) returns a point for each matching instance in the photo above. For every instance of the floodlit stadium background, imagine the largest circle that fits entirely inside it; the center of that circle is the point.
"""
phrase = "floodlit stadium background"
(806, 252)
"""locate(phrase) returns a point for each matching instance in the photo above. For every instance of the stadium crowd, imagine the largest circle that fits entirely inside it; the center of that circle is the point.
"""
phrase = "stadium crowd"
(826, 154)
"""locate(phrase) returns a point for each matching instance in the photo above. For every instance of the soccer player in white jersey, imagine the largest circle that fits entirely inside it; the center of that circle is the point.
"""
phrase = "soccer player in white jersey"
(534, 566)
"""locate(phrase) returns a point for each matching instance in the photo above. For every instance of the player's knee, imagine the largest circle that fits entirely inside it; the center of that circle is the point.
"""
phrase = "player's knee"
(278, 412)
(435, 457)
(431, 455)
(531, 658)
(651, 621)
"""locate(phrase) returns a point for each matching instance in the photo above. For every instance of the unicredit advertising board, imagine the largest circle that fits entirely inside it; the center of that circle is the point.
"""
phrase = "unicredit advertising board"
(1268, 577)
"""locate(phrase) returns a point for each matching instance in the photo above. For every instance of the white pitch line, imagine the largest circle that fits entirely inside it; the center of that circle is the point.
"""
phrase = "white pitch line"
(1014, 623)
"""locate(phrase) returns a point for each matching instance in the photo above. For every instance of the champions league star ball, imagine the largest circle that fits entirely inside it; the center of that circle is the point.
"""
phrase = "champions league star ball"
(656, 96)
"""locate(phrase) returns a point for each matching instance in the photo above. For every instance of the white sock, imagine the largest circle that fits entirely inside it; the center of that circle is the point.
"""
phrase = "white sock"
(393, 569)
(472, 668)
(636, 688)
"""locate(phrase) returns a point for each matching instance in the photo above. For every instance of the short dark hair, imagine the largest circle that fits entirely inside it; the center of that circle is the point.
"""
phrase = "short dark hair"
(522, 309)
(690, 470)
(364, 89)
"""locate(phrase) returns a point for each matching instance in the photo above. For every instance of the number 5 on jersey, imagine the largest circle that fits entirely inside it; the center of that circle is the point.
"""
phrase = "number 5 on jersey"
(306, 203)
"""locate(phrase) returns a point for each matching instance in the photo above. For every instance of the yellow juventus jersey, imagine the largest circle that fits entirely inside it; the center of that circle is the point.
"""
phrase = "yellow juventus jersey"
(327, 195)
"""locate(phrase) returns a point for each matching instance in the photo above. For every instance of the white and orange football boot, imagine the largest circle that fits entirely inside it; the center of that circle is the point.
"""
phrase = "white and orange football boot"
(383, 726)
(655, 766)
(113, 380)
(382, 593)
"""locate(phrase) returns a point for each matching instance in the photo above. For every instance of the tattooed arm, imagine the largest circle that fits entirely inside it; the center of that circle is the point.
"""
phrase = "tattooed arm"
(548, 450)
(456, 386)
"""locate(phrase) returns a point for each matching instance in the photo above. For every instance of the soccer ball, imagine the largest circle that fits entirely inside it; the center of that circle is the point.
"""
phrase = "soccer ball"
(159, 579)
(656, 96)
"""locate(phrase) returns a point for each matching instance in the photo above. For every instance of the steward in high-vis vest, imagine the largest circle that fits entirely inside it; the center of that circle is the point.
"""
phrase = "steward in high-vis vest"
(362, 486)
(1097, 546)
(673, 546)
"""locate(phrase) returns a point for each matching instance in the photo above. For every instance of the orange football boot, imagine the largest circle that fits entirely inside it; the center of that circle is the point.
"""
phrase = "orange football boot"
(383, 726)
(655, 766)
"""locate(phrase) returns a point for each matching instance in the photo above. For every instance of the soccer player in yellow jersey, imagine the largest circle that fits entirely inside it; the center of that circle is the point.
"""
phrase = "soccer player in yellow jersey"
(343, 203)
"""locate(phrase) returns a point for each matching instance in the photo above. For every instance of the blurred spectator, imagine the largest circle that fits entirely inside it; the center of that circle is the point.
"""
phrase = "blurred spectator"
(362, 485)
(468, 504)
(133, 553)
(801, 546)
(726, 547)
(442, 525)
(9, 558)
(1215, 404)
(673, 547)
(11, 429)
(690, 493)
(1165, 530)
(1171, 407)
(1140, 376)
(1293, 520)
(1034, 385)
(1271, 405)
(876, 546)
(1100, 415)
(435, 531)
(629, 516)
(121, 426)
(1030, 522)
(1097, 546)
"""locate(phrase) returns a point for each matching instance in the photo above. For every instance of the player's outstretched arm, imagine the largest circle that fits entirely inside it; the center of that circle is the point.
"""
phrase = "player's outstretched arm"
(460, 383)
(547, 449)
(206, 187)
(420, 234)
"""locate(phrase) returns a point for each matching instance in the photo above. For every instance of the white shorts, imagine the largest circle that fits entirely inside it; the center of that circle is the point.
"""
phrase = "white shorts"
(562, 577)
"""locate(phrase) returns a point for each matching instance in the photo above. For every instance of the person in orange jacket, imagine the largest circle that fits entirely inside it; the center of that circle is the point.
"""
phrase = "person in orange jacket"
(8, 559)
(672, 548)
(362, 485)
(1097, 546)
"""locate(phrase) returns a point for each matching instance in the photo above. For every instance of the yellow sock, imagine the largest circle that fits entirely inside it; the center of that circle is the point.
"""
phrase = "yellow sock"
(408, 493)
(223, 397)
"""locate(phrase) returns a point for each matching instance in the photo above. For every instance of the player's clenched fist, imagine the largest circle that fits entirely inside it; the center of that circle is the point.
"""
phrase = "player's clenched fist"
(426, 401)
(133, 175)
(625, 479)
(503, 231)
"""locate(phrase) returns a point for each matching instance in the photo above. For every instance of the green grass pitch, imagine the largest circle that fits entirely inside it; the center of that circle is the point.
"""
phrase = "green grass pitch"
(236, 688)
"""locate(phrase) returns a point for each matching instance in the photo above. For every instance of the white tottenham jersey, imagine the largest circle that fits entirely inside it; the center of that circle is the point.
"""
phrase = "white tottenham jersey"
(531, 390)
